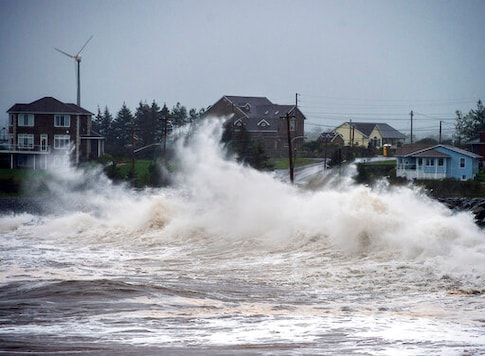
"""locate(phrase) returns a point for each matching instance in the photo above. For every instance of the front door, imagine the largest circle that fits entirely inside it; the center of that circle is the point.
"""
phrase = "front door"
(44, 147)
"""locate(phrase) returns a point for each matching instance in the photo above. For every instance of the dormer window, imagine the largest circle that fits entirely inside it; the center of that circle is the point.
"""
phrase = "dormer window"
(62, 120)
(26, 120)
(263, 123)
(238, 123)
(246, 107)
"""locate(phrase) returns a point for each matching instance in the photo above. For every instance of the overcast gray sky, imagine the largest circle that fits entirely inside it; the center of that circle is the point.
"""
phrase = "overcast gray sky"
(362, 60)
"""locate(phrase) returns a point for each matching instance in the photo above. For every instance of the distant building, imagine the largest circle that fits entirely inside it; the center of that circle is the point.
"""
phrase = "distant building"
(436, 162)
(48, 132)
(477, 146)
(369, 134)
(331, 137)
(263, 120)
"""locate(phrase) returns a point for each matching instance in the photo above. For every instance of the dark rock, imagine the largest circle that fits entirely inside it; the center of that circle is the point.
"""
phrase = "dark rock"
(475, 205)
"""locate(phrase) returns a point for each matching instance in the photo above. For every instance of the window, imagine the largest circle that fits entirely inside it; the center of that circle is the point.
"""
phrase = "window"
(462, 162)
(441, 161)
(293, 125)
(62, 120)
(26, 120)
(61, 142)
(420, 161)
(25, 141)
(430, 162)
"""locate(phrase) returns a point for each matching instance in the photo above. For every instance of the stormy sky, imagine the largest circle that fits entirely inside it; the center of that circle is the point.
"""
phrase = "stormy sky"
(370, 61)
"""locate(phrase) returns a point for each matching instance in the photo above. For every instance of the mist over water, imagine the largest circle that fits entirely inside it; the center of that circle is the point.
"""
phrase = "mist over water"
(233, 258)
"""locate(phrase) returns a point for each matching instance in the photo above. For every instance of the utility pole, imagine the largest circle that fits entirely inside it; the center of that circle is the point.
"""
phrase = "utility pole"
(290, 149)
(441, 122)
(350, 133)
(132, 129)
(165, 125)
(412, 114)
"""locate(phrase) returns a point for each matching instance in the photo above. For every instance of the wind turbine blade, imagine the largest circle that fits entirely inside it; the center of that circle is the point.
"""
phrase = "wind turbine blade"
(78, 53)
(67, 54)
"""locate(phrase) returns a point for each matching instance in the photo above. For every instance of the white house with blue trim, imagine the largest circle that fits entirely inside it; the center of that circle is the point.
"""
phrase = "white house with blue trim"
(436, 162)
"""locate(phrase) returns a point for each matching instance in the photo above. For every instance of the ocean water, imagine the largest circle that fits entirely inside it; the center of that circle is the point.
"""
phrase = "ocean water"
(234, 261)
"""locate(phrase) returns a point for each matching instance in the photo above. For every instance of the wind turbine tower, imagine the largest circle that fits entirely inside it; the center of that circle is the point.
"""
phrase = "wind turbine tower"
(77, 58)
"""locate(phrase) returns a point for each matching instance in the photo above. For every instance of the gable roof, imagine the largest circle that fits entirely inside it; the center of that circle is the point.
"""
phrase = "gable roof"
(241, 101)
(255, 109)
(430, 151)
(329, 136)
(366, 128)
(386, 130)
(48, 105)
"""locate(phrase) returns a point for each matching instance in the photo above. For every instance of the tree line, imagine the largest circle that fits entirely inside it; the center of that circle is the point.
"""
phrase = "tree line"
(151, 124)
(469, 126)
(147, 125)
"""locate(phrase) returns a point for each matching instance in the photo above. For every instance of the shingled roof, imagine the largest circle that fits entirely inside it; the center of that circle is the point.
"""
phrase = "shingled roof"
(256, 109)
(386, 131)
(48, 105)
(417, 150)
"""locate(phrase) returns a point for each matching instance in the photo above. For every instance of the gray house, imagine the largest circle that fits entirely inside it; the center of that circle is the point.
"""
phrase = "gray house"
(263, 120)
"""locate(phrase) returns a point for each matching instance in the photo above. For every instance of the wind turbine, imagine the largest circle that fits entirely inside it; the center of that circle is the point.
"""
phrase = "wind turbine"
(77, 58)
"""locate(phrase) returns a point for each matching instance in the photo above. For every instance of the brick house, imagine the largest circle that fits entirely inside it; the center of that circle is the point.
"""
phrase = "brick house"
(263, 120)
(48, 133)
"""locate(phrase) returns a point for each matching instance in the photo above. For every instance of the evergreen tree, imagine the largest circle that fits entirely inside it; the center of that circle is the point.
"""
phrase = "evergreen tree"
(179, 115)
(257, 157)
(154, 123)
(106, 125)
(96, 123)
(122, 127)
(142, 123)
(469, 126)
(165, 125)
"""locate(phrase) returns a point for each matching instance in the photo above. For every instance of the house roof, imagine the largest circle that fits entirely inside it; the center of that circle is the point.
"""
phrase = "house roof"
(389, 132)
(260, 111)
(405, 150)
(386, 130)
(48, 105)
(328, 136)
(241, 101)
(430, 151)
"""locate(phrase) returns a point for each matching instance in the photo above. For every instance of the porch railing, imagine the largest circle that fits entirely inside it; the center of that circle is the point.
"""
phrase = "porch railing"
(19, 148)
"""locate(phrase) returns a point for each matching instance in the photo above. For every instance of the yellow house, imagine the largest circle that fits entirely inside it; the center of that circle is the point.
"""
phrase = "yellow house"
(369, 134)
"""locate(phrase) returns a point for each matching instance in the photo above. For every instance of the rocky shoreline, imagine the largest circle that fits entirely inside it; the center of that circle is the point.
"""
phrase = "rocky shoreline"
(475, 205)
(22, 205)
